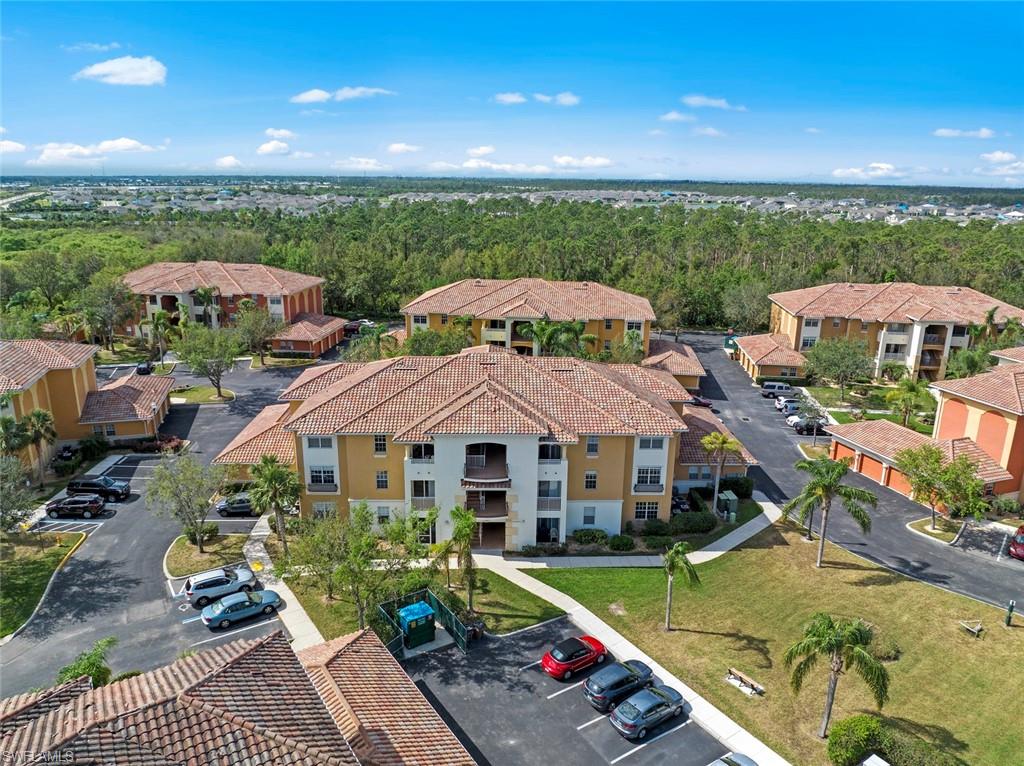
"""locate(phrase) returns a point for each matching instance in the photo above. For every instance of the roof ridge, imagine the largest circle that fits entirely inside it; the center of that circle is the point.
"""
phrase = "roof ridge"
(325, 396)
(31, 701)
(628, 385)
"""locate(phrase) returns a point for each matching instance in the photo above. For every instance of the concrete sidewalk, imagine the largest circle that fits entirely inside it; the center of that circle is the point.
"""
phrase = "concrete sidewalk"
(304, 633)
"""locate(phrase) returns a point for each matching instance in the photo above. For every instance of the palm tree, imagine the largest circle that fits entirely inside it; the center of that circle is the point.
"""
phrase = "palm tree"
(845, 643)
(463, 532)
(719, 446)
(161, 330)
(571, 338)
(677, 561)
(824, 486)
(374, 342)
(907, 397)
(991, 328)
(12, 435)
(38, 426)
(275, 487)
(544, 333)
(207, 297)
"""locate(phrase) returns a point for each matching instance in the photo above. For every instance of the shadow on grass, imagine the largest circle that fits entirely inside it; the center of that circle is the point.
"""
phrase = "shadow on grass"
(769, 538)
(939, 736)
(742, 642)
(878, 578)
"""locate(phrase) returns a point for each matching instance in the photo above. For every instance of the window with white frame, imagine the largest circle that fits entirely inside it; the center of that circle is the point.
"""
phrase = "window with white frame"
(496, 324)
(423, 453)
(549, 489)
(319, 442)
(383, 514)
(382, 479)
(590, 480)
(380, 444)
(652, 442)
(323, 510)
(896, 327)
(787, 372)
(634, 326)
(589, 515)
(274, 300)
(592, 446)
(321, 474)
(694, 473)
(548, 453)
(705, 472)
(645, 509)
(105, 429)
(811, 322)
(836, 322)
(419, 321)
(648, 475)
(607, 345)
(428, 536)
(807, 342)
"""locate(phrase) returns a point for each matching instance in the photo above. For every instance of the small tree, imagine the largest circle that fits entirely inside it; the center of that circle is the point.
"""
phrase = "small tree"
(463, 532)
(922, 468)
(316, 552)
(161, 330)
(181, 489)
(92, 663)
(372, 343)
(845, 644)
(255, 327)
(677, 561)
(719, 446)
(893, 370)
(107, 304)
(209, 353)
(275, 487)
(16, 499)
(39, 430)
(839, 360)
(908, 397)
(12, 436)
(961, 491)
(356, 574)
(629, 351)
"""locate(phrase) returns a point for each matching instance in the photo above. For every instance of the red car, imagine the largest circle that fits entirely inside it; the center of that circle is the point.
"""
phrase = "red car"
(1017, 544)
(572, 655)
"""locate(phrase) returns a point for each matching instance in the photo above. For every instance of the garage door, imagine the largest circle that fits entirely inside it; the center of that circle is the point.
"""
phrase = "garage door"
(871, 468)
(898, 482)
(839, 451)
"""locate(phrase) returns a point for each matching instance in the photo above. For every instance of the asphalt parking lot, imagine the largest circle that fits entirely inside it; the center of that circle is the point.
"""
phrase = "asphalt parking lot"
(506, 710)
(990, 543)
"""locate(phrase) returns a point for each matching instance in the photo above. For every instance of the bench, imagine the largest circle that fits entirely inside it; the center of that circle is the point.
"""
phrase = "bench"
(972, 626)
(744, 681)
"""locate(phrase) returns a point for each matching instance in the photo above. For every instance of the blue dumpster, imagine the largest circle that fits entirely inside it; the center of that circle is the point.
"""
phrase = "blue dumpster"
(417, 624)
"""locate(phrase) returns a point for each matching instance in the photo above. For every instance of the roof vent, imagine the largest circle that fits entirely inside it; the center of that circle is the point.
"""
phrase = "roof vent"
(478, 283)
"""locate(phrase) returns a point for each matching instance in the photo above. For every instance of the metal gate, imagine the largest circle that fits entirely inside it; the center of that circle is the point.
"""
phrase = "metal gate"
(442, 614)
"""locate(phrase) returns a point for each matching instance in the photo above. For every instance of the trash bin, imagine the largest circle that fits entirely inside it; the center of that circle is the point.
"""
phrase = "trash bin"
(417, 623)
(728, 504)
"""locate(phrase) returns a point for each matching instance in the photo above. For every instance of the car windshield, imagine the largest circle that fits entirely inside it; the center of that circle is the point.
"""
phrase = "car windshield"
(256, 598)
(218, 607)
(627, 710)
(1019, 539)
(106, 481)
(231, 575)
(566, 649)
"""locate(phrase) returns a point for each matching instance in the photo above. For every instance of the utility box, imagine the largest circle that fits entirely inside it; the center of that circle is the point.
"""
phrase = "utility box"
(728, 504)
(417, 623)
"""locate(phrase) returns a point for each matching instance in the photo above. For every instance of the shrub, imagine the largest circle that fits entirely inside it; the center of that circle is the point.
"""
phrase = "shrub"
(622, 543)
(1007, 506)
(208, 530)
(697, 501)
(627, 528)
(886, 649)
(278, 354)
(530, 551)
(742, 486)
(762, 379)
(693, 522)
(655, 528)
(67, 467)
(93, 447)
(590, 536)
(292, 524)
(901, 748)
(658, 542)
(852, 739)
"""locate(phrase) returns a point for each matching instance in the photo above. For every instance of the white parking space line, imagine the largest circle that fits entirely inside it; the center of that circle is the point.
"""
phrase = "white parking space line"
(650, 741)
(567, 688)
(191, 619)
(233, 632)
(1002, 547)
(527, 667)
(588, 723)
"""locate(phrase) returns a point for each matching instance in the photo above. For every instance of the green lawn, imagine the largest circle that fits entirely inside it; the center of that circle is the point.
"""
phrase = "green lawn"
(203, 395)
(945, 529)
(184, 558)
(946, 685)
(26, 564)
(271, 361)
(748, 510)
(164, 369)
(846, 417)
(828, 396)
(123, 354)
(813, 453)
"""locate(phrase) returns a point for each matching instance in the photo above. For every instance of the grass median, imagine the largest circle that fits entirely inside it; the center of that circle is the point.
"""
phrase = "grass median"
(202, 395)
(184, 558)
(945, 529)
(26, 564)
(751, 609)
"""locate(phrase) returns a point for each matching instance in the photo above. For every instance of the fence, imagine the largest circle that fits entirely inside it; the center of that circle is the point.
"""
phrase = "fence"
(442, 614)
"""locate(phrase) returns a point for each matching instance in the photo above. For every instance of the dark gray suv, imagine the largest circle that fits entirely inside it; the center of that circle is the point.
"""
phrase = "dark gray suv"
(107, 488)
(615, 682)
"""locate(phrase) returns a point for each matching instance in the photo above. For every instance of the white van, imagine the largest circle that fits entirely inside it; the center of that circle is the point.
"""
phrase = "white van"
(775, 389)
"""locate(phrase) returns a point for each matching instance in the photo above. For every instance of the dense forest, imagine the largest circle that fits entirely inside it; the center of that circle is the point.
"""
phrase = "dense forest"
(699, 268)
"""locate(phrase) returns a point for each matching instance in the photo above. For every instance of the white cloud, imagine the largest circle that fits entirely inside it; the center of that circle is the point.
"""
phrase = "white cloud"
(228, 162)
(1010, 169)
(10, 147)
(567, 161)
(544, 98)
(126, 70)
(443, 166)
(565, 98)
(314, 96)
(958, 133)
(656, 132)
(91, 47)
(360, 91)
(873, 171)
(707, 130)
(998, 156)
(698, 101)
(480, 151)
(301, 155)
(273, 147)
(278, 133)
(675, 116)
(504, 167)
(813, 131)
(359, 163)
(55, 153)
(2, 130)
(510, 98)
(402, 148)
(123, 145)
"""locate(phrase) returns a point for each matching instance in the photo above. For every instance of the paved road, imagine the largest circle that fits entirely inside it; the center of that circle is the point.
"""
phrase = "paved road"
(114, 584)
(975, 569)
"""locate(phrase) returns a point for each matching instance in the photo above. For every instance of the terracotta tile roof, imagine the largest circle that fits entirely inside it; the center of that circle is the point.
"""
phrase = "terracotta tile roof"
(700, 423)
(315, 379)
(1015, 354)
(129, 398)
(406, 395)
(23, 362)
(770, 349)
(400, 335)
(226, 278)
(311, 327)
(243, 703)
(1002, 387)
(264, 435)
(660, 383)
(894, 302)
(674, 358)
(378, 707)
(25, 708)
(885, 439)
(530, 298)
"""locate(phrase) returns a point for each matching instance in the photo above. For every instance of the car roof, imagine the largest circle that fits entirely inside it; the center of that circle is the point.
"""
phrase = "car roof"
(644, 699)
(571, 645)
(611, 673)
(208, 575)
(235, 598)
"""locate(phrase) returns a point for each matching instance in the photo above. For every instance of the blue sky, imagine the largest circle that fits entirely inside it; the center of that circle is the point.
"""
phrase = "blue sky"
(876, 92)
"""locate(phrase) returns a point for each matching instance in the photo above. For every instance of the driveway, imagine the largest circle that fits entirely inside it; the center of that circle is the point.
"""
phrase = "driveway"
(507, 711)
(114, 584)
(755, 422)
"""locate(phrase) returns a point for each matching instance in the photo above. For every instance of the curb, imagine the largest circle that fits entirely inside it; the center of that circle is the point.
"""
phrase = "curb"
(930, 537)
(956, 538)
(46, 590)
(169, 576)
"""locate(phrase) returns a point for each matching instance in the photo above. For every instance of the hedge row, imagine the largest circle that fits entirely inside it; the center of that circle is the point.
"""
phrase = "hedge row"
(853, 739)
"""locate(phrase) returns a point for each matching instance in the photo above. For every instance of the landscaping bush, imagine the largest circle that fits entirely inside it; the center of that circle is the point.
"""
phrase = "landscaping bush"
(658, 542)
(622, 543)
(901, 748)
(590, 536)
(698, 501)
(1007, 506)
(627, 528)
(761, 380)
(288, 355)
(656, 528)
(208, 530)
(530, 551)
(693, 522)
(93, 447)
(67, 467)
(292, 524)
(886, 649)
(742, 486)
(161, 444)
(852, 739)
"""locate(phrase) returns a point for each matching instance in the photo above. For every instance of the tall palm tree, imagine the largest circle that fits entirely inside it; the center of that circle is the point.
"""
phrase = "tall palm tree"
(39, 429)
(275, 487)
(908, 397)
(572, 339)
(845, 644)
(207, 298)
(822, 489)
(12, 435)
(544, 333)
(677, 561)
(719, 446)
(161, 330)
(991, 328)
(463, 532)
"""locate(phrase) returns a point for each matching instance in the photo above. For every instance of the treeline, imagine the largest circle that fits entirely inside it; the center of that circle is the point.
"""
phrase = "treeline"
(699, 268)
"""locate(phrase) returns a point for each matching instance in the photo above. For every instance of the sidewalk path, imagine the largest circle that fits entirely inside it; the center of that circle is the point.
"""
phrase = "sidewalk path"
(304, 633)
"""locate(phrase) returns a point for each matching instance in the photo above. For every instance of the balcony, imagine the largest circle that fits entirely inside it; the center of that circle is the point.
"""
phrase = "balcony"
(931, 361)
(549, 503)
(934, 340)
(422, 503)
(422, 460)
(894, 356)
(485, 463)
(331, 488)
(488, 505)
(657, 489)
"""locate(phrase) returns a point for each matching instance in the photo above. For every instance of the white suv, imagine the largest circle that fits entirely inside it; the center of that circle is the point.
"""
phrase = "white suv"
(205, 587)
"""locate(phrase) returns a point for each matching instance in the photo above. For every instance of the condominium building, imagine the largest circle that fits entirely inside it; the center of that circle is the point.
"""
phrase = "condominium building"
(500, 308)
(915, 325)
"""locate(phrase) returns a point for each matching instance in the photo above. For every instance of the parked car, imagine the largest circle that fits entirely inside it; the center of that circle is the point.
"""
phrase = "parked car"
(734, 759)
(66, 452)
(144, 368)
(1017, 544)
(236, 505)
(610, 685)
(774, 388)
(107, 488)
(85, 506)
(784, 400)
(635, 717)
(790, 408)
(353, 327)
(572, 655)
(699, 401)
(205, 587)
(239, 606)
(792, 420)
(808, 426)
